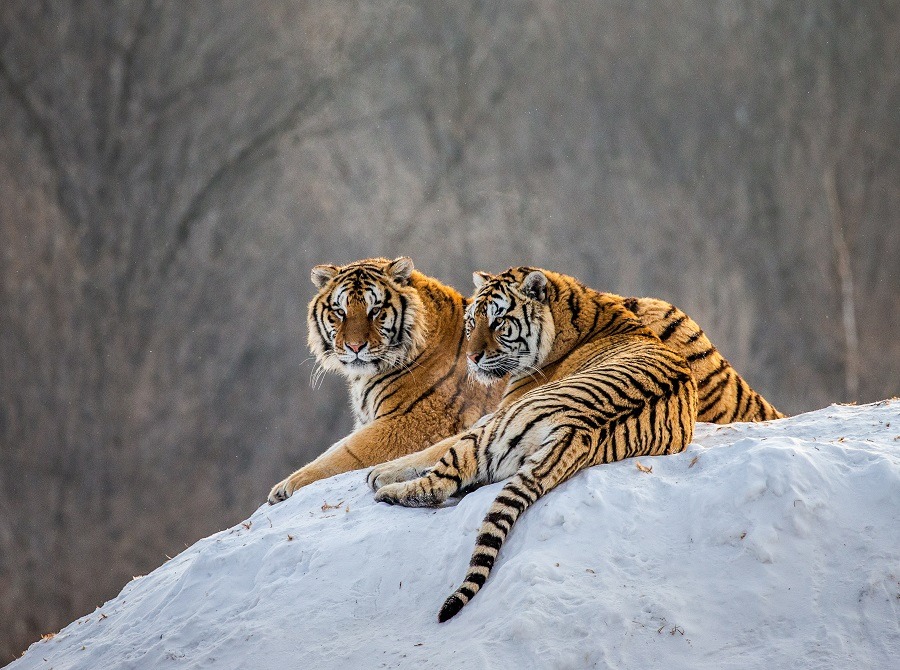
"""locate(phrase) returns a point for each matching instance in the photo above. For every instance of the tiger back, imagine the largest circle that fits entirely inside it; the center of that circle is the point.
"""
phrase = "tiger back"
(587, 384)
(724, 396)
(397, 336)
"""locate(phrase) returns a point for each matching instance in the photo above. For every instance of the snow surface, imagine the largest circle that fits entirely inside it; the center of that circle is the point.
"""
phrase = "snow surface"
(762, 546)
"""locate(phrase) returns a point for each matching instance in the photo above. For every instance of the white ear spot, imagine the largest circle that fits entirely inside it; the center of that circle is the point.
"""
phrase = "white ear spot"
(400, 269)
(322, 274)
(478, 278)
(535, 286)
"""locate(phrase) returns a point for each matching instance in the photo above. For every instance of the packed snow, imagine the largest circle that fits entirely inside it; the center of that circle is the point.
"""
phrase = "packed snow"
(770, 545)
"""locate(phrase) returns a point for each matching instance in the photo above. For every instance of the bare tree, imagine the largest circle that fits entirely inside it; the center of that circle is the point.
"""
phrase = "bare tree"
(170, 171)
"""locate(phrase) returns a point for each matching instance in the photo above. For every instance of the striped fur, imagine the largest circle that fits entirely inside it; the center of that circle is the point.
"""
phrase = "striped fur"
(587, 384)
(724, 395)
(397, 336)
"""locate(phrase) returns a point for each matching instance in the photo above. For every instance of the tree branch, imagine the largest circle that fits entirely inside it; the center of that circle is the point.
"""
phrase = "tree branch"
(845, 276)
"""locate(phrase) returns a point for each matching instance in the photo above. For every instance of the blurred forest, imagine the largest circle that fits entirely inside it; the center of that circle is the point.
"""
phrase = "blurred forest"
(169, 171)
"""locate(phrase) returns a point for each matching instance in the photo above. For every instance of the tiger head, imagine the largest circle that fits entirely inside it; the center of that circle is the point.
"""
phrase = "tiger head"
(367, 317)
(509, 325)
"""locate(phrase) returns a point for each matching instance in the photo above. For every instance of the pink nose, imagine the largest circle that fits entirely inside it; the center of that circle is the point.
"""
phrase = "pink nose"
(355, 346)
(474, 356)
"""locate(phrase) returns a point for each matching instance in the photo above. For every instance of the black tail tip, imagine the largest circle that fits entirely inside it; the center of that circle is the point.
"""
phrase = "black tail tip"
(451, 607)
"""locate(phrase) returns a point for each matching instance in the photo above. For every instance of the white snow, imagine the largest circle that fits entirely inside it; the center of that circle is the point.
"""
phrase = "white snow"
(762, 546)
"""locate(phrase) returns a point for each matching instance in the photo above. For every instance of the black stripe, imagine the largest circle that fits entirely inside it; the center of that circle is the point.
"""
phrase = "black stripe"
(497, 516)
(402, 318)
(672, 327)
(503, 499)
(708, 378)
(739, 393)
(701, 355)
(528, 494)
(447, 475)
(718, 416)
(476, 578)
(545, 467)
(574, 305)
(717, 387)
(488, 540)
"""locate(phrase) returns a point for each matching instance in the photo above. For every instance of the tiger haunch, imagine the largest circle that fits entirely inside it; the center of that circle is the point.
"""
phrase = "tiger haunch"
(724, 396)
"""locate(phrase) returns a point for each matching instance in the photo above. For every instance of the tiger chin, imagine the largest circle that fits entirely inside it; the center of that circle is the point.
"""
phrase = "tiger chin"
(588, 383)
(397, 337)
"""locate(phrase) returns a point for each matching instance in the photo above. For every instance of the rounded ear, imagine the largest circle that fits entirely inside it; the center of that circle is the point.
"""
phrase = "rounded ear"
(535, 286)
(479, 277)
(322, 274)
(400, 269)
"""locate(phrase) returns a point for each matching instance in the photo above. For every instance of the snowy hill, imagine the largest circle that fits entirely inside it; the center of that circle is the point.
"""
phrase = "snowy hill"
(762, 546)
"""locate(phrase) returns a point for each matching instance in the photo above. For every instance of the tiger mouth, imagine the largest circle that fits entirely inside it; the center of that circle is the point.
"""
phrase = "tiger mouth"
(489, 373)
(375, 360)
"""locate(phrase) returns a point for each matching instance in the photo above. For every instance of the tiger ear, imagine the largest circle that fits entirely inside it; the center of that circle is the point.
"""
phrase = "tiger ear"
(479, 277)
(400, 269)
(535, 286)
(322, 274)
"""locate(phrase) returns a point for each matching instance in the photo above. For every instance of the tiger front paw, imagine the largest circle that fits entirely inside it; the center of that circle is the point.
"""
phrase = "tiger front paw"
(285, 489)
(391, 473)
(414, 493)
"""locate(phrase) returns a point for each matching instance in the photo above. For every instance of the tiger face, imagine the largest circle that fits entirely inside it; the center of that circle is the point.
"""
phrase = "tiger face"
(366, 317)
(509, 326)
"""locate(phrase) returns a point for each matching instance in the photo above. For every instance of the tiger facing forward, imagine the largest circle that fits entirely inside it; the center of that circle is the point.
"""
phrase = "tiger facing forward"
(588, 384)
(397, 336)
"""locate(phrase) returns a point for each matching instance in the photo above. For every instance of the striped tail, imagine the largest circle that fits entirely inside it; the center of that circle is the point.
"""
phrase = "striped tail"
(518, 494)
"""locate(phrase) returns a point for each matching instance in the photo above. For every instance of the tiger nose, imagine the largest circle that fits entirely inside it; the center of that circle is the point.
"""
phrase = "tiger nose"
(355, 346)
(474, 356)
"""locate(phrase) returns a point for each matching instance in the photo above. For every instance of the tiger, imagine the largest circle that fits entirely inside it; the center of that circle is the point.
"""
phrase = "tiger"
(724, 395)
(397, 336)
(587, 383)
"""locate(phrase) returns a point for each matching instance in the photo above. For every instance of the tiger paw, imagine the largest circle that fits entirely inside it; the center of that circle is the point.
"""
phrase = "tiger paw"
(414, 493)
(390, 473)
(284, 489)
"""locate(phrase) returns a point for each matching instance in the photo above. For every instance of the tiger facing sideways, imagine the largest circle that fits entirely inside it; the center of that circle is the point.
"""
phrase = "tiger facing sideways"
(588, 383)
(723, 395)
(397, 336)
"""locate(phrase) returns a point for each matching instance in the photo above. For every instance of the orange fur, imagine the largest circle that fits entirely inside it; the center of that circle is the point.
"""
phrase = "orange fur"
(397, 336)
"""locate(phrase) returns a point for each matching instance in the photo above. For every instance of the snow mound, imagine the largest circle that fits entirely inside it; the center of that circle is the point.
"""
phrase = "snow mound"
(761, 546)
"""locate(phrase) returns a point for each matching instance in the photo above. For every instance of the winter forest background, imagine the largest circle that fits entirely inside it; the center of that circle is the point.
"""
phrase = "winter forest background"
(170, 171)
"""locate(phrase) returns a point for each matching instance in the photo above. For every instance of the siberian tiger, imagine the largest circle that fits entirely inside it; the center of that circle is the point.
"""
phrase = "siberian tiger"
(587, 384)
(723, 395)
(397, 336)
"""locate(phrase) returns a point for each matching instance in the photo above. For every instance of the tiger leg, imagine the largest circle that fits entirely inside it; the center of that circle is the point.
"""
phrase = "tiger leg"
(566, 452)
(456, 470)
(340, 457)
(374, 443)
(408, 467)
